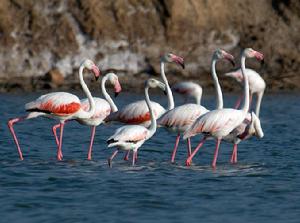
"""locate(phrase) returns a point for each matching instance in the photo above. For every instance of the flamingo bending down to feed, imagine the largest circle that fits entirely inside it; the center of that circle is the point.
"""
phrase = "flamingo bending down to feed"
(103, 109)
(59, 105)
(131, 137)
(189, 89)
(220, 122)
(257, 86)
(182, 117)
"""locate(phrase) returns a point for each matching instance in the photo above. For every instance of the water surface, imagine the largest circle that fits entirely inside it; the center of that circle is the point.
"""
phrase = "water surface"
(263, 187)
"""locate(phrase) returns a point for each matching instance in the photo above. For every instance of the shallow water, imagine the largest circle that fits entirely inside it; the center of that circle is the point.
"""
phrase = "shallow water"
(263, 187)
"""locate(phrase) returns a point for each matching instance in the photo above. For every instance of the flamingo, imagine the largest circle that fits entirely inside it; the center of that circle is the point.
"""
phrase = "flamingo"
(249, 127)
(137, 112)
(103, 109)
(220, 122)
(132, 137)
(189, 89)
(257, 86)
(179, 119)
(59, 105)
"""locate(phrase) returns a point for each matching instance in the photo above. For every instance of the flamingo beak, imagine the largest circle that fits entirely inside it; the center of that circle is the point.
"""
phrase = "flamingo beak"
(178, 60)
(230, 58)
(118, 88)
(96, 72)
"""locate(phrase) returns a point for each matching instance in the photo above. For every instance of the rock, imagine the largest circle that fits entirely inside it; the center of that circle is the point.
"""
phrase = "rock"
(55, 77)
(129, 35)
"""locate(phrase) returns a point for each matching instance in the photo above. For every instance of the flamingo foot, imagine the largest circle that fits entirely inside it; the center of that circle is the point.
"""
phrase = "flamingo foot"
(126, 157)
(188, 162)
(89, 157)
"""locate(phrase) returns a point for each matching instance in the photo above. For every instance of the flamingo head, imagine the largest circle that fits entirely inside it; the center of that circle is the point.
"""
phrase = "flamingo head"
(255, 126)
(222, 54)
(90, 65)
(114, 80)
(250, 53)
(170, 57)
(152, 83)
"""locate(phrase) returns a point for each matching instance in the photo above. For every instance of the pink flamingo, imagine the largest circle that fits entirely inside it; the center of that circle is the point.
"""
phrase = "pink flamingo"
(137, 112)
(59, 105)
(179, 119)
(249, 127)
(103, 109)
(219, 123)
(132, 137)
(189, 89)
(257, 86)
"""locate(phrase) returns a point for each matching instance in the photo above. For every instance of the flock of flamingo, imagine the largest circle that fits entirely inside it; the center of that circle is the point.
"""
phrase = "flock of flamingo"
(143, 117)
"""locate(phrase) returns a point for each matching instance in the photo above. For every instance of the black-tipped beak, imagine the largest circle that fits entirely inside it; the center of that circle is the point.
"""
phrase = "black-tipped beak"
(262, 63)
(97, 77)
(182, 65)
(165, 92)
(116, 94)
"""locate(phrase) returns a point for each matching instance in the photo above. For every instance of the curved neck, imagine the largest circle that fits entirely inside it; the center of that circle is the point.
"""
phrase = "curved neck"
(106, 95)
(88, 94)
(152, 127)
(198, 99)
(245, 107)
(169, 92)
(258, 103)
(217, 84)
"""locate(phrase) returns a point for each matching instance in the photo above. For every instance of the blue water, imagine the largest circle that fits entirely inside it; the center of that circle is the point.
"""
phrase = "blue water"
(263, 187)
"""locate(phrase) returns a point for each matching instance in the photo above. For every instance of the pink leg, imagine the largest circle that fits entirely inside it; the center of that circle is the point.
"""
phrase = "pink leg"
(189, 146)
(93, 130)
(54, 128)
(126, 157)
(59, 151)
(216, 153)
(189, 159)
(234, 153)
(134, 157)
(11, 128)
(111, 158)
(238, 102)
(175, 148)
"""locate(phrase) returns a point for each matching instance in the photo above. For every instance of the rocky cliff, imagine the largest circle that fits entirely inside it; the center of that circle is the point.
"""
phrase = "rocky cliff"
(43, 42)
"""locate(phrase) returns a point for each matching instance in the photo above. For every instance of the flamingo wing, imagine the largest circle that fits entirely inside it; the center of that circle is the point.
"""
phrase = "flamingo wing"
(218, 123)
(130, 133)
(59, 103)
(102, 107)
(136, 113)
(181, 117)
(186, 87)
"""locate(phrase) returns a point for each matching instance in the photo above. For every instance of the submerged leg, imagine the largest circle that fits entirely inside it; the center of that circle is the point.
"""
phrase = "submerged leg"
(175, 148)
(189, 146)
(93, 130)
(126, 157)
(216, 153)
(134, 157)
(189, 159)
(234, 154)
(111, 158)
(10, 124)
(59, 151)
